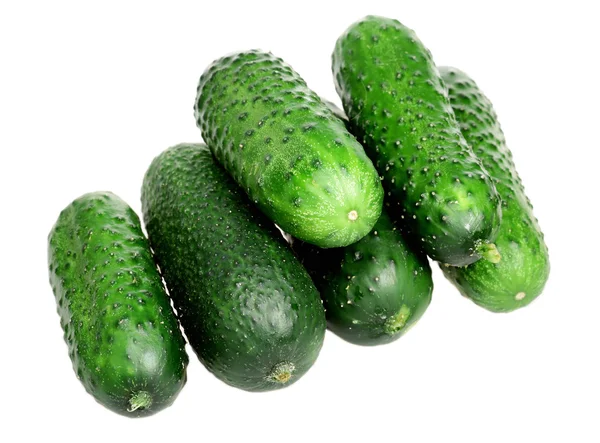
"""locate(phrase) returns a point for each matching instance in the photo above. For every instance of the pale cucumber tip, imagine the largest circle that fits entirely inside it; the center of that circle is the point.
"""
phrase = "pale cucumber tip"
(353, 215)
(520, 296)
(489, 252)
(140, 400)
(396, 323)
(281, 373)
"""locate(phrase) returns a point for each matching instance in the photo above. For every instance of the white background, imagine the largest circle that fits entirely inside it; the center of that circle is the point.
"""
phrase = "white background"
(90, 94)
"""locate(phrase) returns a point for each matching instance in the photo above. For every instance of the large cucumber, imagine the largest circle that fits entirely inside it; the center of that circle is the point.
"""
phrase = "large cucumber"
(373, 290)
(122, 334)
(285, 148)
(249, 309)
(522, 273)
(398, 107)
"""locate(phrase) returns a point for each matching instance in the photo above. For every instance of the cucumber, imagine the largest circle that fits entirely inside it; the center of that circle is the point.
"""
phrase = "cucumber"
(398, 107)
(123, 337)
(285, 148)
(525, 266)
(373, 290)
(247, 306)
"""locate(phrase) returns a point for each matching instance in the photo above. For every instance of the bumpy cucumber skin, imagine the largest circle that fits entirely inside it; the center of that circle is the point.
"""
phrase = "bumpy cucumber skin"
(373, 290)
(248, 308)
(522, 273)
(123, 337)
(285, 148)
(398, 107)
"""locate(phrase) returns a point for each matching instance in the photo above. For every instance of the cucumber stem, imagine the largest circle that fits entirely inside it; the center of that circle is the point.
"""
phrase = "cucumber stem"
(281, 372)
(140, 400)
(395, 323)
(489, 252)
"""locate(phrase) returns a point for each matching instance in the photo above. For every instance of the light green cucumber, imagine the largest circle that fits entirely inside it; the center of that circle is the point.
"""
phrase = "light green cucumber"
(289, 153)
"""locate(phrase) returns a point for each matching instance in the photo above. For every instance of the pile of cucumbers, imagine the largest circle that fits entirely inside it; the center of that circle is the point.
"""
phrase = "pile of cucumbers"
(415, 166)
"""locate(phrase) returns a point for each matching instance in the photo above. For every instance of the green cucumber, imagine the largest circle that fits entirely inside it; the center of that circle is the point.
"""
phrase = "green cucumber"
(523, 271)
(285, 148)
(123, 337)
(373, 290)
(247, 306)
(398, 107)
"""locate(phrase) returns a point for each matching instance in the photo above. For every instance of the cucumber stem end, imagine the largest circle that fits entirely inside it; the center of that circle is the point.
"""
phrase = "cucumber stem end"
(140, 400)
(397, 322)
(489, 252)
(281, 372)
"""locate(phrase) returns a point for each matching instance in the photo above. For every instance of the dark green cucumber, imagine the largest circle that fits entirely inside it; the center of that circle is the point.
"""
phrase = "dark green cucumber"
(285, 148)
(123, 337)
(398, 107)
(373, 290)
(248, 308)
(522, 273)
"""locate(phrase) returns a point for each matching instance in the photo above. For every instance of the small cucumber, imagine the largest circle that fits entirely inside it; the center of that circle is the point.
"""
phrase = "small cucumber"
(123, 337)
(398, 107)
(525, 266)
(373, 290)
(248, 308)
(288, 152)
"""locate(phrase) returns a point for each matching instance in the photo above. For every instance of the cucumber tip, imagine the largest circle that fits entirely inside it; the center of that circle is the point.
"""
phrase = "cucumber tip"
(520, 296)
(140, 400)
(281, 373)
